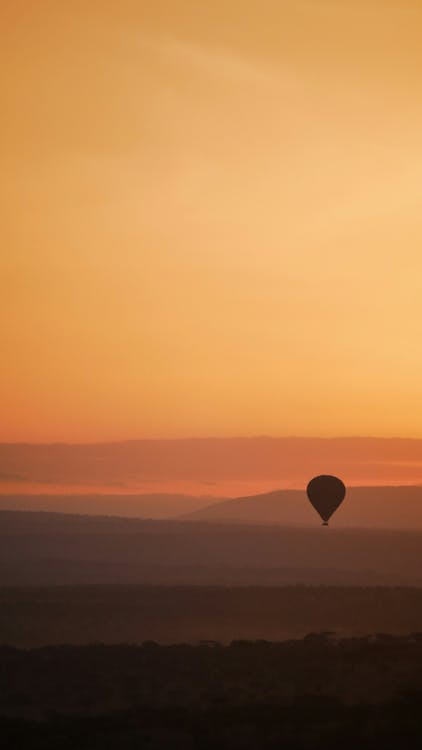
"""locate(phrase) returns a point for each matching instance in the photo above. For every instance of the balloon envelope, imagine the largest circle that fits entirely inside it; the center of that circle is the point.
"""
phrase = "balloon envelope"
(326, 493)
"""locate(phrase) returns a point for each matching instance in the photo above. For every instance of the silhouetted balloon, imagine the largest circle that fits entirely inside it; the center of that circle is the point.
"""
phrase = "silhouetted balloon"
(326, 493)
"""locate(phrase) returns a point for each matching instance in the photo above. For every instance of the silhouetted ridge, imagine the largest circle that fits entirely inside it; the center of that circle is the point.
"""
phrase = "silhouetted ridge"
(371, 507)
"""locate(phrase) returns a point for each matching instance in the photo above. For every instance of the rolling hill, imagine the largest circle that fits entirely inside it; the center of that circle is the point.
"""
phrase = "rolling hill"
(364, 507)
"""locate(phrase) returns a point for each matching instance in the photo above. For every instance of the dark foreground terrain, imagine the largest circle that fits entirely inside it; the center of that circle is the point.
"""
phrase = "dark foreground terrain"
(38, 616)
(309, 694)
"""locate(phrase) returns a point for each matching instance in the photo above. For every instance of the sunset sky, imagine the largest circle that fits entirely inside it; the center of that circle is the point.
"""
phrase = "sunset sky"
(211, 218)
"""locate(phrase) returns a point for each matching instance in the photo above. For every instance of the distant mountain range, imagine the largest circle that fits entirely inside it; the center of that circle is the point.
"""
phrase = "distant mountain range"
(154, 505)
(363, 507)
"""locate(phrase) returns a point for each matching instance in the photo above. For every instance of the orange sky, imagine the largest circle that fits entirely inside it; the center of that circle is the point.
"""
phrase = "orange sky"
(211, 218)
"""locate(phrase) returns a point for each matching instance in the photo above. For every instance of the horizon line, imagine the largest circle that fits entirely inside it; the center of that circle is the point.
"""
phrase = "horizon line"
(202, 438)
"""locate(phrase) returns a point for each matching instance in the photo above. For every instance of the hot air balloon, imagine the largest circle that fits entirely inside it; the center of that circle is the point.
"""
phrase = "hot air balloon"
(326, 493)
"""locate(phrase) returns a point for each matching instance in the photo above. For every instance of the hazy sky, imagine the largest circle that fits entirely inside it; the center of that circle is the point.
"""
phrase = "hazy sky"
(211, 218)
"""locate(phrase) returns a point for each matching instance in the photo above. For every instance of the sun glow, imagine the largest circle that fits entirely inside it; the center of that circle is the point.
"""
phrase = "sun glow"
(211, 219)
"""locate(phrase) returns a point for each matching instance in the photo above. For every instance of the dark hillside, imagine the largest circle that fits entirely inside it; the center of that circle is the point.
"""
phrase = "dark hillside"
(43, 548)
